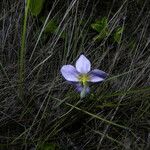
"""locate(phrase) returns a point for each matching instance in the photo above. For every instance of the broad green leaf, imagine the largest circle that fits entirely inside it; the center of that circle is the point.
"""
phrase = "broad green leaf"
(36, 6)
(100, 25)
(118, 34)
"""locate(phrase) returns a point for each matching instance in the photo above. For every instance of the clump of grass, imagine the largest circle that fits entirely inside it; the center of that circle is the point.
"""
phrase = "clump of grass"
(116, 113)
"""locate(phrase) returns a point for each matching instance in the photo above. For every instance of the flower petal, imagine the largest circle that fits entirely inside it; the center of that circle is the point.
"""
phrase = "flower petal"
(79, 88)
(70, 73)
(97, 75)
(83, 65)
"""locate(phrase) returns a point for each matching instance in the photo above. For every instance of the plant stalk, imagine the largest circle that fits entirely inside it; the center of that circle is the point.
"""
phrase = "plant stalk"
(21, 60)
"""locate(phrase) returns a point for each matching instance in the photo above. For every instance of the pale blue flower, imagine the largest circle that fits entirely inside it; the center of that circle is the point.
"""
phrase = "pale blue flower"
(81, 74)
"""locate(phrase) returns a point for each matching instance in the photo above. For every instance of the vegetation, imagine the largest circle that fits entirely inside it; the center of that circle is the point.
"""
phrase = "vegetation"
(39, 109)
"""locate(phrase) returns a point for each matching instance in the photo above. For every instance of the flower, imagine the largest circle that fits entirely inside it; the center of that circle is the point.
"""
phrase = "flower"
(82, 74)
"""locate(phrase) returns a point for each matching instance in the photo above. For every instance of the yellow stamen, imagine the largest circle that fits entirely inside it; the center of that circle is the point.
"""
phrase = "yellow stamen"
(84, 78)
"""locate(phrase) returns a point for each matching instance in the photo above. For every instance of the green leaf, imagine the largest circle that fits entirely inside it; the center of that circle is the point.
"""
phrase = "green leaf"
(100, 25)
(101, 35)
(51, 27)
(36, 6)
(118, 34)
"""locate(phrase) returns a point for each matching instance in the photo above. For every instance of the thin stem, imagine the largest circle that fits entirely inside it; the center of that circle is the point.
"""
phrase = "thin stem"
(21, 60)
(83, 92)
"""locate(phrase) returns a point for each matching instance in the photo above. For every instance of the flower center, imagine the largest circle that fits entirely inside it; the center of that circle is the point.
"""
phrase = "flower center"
(84, 78)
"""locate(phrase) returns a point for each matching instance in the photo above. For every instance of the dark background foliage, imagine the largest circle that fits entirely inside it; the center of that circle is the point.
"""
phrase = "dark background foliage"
(49, 114)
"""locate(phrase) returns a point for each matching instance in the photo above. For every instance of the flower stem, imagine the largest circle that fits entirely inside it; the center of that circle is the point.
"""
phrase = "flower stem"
(83, 92)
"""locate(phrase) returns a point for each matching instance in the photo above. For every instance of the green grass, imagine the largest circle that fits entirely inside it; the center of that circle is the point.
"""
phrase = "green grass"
(22, 53)
(40, 110)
